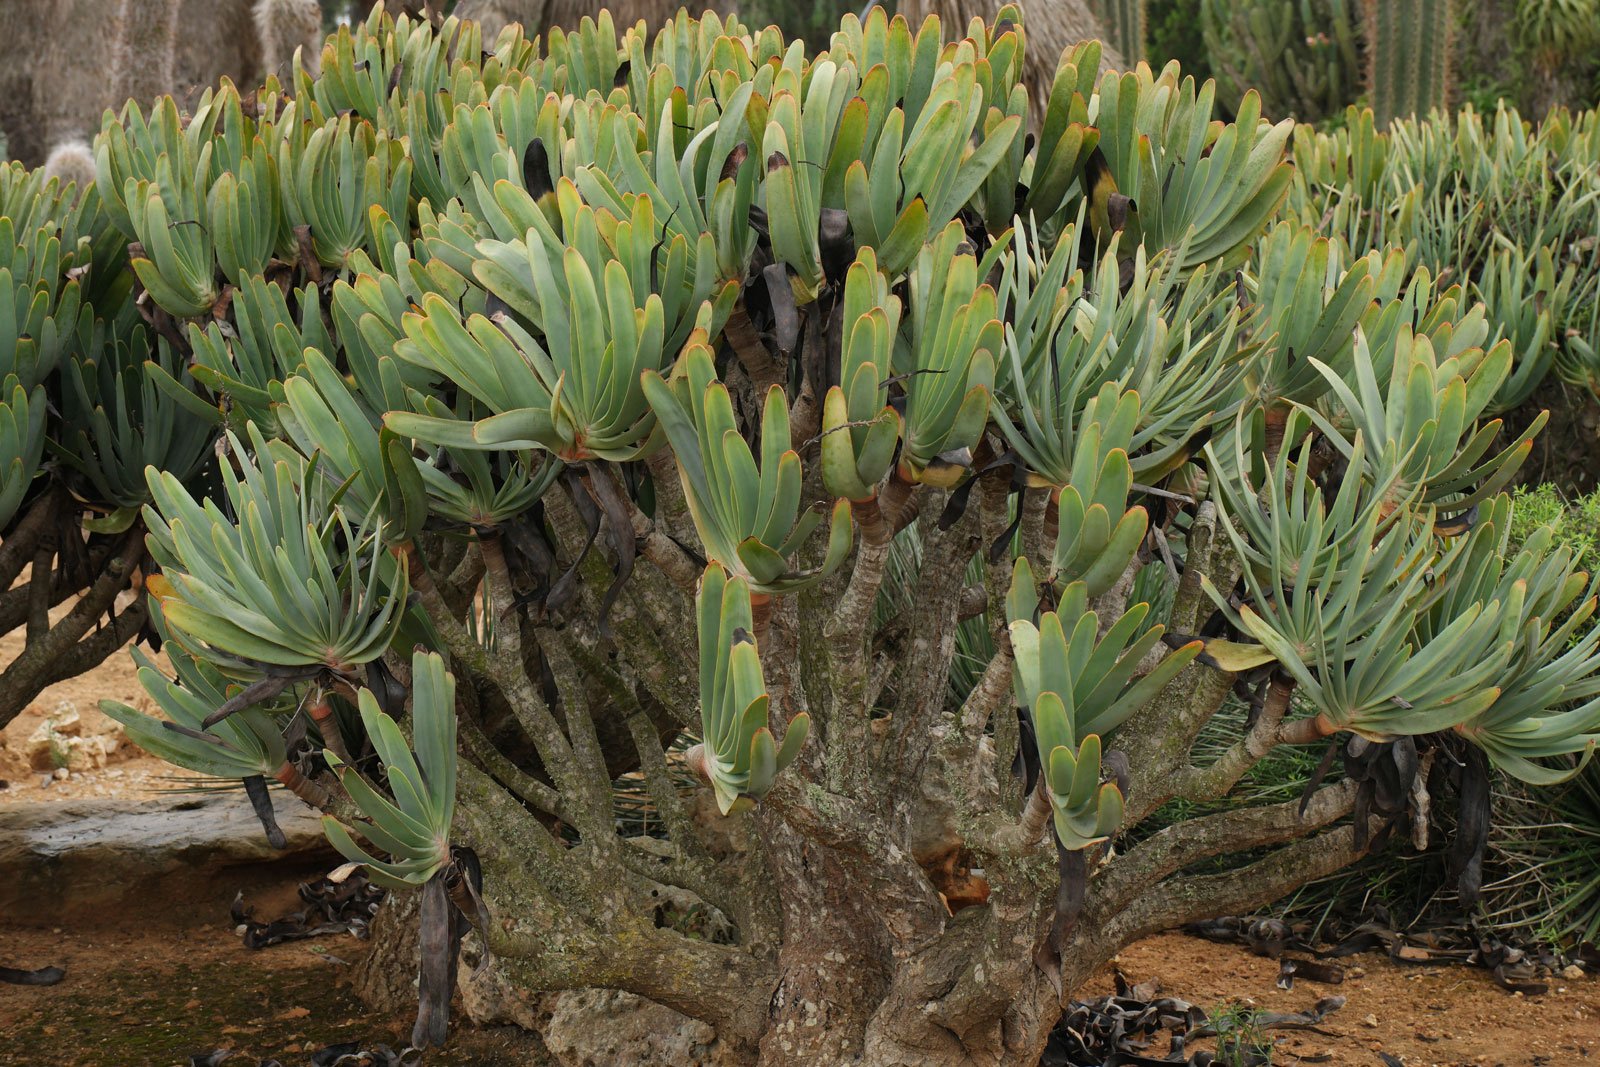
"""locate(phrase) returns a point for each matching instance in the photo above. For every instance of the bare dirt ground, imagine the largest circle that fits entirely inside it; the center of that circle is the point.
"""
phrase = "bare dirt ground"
(1426, 1016)
(149, 991)
(63, 748)
(148, 988)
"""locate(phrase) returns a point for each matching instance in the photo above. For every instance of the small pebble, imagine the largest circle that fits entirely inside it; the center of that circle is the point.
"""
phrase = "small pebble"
(1572, 972)
(1372, 1021)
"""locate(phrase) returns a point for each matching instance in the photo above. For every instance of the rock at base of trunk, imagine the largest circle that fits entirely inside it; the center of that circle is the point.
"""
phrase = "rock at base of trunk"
(593, 1027)
(606, 1028)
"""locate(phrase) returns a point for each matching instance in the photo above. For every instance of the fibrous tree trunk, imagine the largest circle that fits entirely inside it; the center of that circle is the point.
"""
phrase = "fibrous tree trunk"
(144, 56)
(56, 80)
(538, 15)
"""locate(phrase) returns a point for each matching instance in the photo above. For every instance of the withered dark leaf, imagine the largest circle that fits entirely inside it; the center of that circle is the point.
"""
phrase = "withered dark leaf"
(735, 160)
(255, 787)
(42, 976)
(536, 169)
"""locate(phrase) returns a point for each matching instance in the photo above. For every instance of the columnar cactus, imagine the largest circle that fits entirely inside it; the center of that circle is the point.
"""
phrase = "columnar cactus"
(1124, 23)
(1301, 56)
(1408, 56)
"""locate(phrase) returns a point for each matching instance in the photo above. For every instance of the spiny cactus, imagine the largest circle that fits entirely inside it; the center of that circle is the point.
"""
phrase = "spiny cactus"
(71, 162)
(1301, 56)
(1408, 56)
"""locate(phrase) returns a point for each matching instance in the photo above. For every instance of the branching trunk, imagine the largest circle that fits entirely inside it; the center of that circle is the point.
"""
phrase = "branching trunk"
(92, 629)
(846, 950)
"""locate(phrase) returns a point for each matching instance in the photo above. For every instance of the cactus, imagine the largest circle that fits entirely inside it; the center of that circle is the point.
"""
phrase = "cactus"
(1301, 57)
(72, 162)
(1408, 56)
(1124, 23)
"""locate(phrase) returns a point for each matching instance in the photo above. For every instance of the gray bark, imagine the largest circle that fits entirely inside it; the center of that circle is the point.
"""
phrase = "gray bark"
(55, 84)
(1052, 27)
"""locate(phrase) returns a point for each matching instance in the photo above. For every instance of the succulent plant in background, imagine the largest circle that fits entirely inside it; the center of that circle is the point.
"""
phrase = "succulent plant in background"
(1124, 23)
(449, 383)
(1302, 56)
(1500, 212)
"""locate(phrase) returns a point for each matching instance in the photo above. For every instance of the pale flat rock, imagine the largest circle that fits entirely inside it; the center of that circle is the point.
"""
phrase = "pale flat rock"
(609, 1028)
(80, 858)
(591, 1027)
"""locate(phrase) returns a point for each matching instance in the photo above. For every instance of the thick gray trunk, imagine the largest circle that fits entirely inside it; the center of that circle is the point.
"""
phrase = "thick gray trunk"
(65, 62)
(1052, 27)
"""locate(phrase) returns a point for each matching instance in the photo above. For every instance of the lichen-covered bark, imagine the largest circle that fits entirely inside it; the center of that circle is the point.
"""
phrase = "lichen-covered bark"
(844, 950)
(386, 977)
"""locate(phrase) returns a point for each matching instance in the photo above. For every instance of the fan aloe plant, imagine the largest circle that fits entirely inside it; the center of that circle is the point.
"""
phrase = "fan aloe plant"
(468, 413)
(738, 756)
(413, 829)
(747, 518)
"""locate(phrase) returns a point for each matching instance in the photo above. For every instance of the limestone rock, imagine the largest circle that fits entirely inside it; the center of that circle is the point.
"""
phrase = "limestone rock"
(490, 999)
(607, 1028)
(82, 858)
(68, 739)
(588, 1027)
